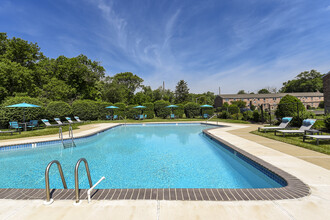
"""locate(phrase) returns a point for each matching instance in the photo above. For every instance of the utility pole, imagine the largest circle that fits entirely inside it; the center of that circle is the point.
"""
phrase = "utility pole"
(163, 86)
(219, 90)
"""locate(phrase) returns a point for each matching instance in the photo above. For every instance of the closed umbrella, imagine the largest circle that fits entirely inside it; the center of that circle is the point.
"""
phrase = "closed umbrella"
(23, 105)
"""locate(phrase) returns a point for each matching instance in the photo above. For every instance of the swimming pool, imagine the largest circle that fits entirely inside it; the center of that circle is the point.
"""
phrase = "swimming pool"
(138, 156)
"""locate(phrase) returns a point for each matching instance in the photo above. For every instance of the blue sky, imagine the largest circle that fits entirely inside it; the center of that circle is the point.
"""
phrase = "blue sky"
(232, 44)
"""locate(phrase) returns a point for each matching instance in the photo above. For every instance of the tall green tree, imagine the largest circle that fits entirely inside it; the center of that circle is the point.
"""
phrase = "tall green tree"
(307, 81)
(181, 92)
(241, 92)
(264, 91)
(129, 82)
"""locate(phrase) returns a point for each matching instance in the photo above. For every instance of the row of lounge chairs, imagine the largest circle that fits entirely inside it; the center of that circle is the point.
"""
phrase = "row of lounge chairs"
(305, 127)
(59, 122)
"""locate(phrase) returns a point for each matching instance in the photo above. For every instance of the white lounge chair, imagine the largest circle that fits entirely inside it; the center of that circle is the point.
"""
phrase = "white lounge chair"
(46, 122)
(285, 122)
(59, 121)
(307, 124)
(78, 119)
(69, 120)
(317, 137)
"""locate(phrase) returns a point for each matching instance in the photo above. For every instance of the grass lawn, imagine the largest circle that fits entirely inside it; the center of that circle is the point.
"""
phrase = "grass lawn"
(297, 140)
(55, 130)
(38, 132)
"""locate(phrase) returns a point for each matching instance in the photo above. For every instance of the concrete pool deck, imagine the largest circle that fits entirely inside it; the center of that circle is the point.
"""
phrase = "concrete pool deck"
(313, 206)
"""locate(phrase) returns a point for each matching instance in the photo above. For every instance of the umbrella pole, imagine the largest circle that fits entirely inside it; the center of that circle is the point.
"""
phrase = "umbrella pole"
(23, 115)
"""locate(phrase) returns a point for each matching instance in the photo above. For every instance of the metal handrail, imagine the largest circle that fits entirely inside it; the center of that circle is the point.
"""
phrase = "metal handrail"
(211, 118)
(76, 180)
(60, 134)
(70, 131)
(47, 179)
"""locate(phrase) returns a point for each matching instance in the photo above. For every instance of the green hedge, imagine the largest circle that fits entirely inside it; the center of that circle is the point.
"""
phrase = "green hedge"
(161, 110)
(16, 114)
(233, 109)
(85, 109)
(131, 112)
(58, 109)
(179, 111)
(103, 111)
(149, 111)
(224, 115)
(191, 110)
(247, 115)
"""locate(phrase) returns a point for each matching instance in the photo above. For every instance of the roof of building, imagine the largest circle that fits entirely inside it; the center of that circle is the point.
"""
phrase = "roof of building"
(271, 95)
(326, 75)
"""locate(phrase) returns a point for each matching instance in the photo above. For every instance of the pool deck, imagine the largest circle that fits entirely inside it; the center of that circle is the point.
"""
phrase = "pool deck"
(301, 163)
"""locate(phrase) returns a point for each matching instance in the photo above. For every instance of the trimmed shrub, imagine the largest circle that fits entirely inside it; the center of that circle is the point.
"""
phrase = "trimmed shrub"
(58, 109)
(247, 115)
(191, 110)
(224, 115)
(131, 112)
(327, 122)
(319, 125)
(237, 116)
(179, 111)
(149, 111)
(288, 107)
(16, 114)
(161, 110)
(233, 109)
(256, 116)
(85, 109)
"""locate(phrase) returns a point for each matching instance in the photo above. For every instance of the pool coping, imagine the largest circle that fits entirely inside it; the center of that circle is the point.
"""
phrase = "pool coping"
(294, 189)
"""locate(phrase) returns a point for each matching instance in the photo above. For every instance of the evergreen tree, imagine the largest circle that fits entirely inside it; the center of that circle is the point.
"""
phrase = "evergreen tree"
(181, 92)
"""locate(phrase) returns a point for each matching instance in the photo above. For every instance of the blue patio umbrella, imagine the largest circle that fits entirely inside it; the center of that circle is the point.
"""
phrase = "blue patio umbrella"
(206, 106)
(23, 105)
(111, 106)
(172, 106)
(140, 106)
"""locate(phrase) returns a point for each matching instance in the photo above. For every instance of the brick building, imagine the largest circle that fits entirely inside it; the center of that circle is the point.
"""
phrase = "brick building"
(326, 90)
(311, 99)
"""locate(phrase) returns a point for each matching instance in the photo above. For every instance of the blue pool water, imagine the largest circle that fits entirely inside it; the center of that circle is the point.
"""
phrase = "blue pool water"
(136, 156)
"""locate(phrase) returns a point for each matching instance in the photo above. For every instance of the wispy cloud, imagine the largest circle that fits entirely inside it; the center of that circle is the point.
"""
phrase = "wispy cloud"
(232, 44)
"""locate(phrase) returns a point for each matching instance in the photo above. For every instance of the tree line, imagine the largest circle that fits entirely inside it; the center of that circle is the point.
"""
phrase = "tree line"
(26, 71)
(307, 81)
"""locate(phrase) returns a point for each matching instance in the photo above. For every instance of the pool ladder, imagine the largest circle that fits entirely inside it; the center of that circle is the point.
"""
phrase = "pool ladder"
(76, 180)
(48, 199)
(60, 135)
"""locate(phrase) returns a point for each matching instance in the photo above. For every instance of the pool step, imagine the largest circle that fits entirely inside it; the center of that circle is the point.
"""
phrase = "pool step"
(69, 145)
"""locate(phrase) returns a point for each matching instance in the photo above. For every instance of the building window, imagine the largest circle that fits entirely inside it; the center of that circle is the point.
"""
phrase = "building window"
(227, 100)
